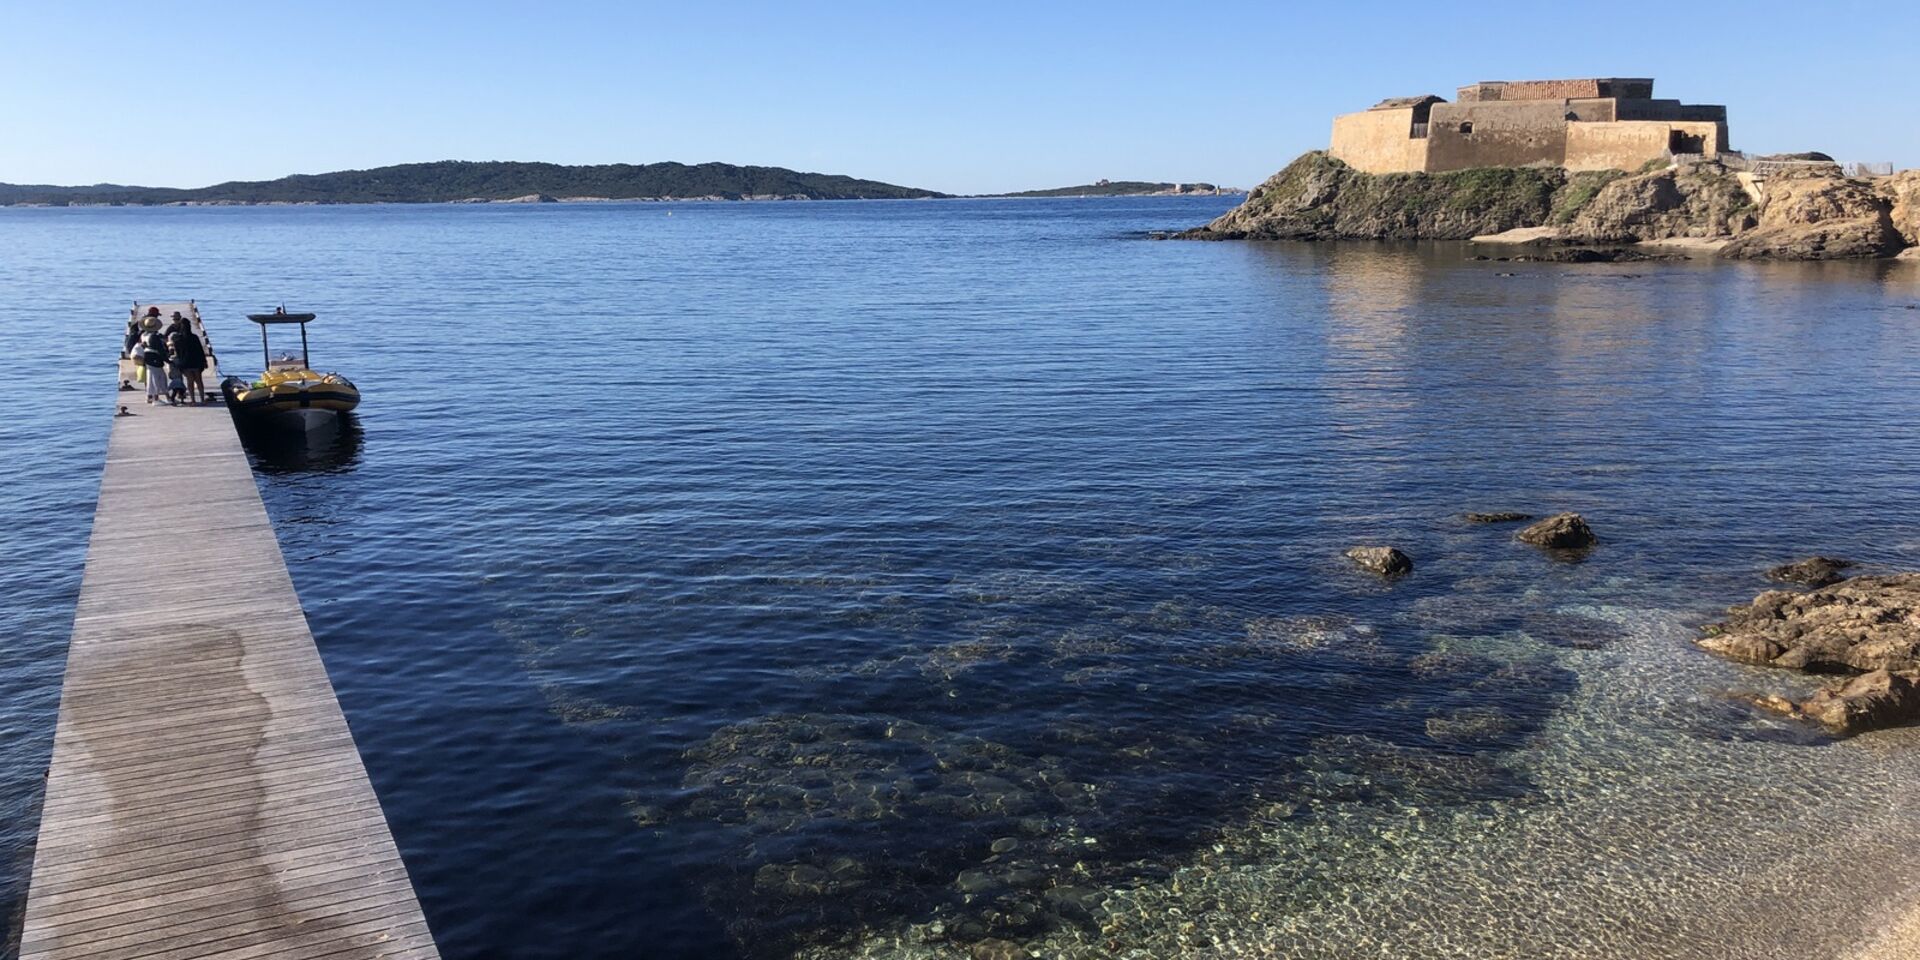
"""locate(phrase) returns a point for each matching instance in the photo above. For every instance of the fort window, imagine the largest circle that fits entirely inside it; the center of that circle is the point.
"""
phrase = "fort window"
(1680, 141)
(1466, 126)
(1422, 111)
(1572, 116)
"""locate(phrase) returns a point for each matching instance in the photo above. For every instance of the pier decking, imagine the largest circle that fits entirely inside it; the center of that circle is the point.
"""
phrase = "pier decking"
(205, 797)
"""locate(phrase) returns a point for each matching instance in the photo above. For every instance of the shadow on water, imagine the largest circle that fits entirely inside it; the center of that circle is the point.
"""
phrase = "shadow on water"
(331, 449)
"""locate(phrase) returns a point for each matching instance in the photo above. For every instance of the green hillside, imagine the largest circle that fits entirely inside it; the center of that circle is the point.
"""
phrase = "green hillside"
(454, 180)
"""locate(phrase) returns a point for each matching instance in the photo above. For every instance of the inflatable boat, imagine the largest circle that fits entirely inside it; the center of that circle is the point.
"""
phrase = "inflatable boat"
(289, 392)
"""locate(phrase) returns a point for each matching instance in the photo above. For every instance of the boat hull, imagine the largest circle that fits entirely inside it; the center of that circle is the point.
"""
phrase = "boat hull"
(294, 404)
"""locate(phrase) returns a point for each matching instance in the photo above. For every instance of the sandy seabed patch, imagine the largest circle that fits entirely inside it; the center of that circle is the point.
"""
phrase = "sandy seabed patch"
(1665, 821)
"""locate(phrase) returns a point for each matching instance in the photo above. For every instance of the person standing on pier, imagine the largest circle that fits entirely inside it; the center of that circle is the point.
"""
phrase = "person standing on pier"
(153, 357)
(176, 379)
(190, 359)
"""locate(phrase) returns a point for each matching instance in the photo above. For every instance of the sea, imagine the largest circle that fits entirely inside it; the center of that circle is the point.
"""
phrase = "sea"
(965, 578)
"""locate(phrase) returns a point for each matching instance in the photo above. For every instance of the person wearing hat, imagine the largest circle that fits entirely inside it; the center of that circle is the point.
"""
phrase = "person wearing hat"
(153, 356)
(136, 335)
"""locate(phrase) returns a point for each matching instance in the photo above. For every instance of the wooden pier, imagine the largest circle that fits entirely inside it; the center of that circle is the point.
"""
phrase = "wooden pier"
(205, 797)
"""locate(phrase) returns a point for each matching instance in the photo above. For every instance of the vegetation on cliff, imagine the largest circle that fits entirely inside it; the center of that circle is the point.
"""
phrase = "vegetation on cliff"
(1579, 191)
(1701, 200)
(1320, 198)
(454, 180)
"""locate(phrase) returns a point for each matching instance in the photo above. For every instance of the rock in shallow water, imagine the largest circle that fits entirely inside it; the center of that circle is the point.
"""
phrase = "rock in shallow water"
(1867, 702)
(1813, 571)
(996, 949)
(1565, 531)
(1470, 725)
(1871, 701)
(1497, 517)
(1861, 624)
(1385, 561)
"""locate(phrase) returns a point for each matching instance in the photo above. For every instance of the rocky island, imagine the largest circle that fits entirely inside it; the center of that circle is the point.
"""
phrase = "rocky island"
(1580, 162)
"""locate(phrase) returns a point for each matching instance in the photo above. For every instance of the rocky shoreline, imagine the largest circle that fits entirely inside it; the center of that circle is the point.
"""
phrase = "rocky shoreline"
(1865, 628)
(1697, 206)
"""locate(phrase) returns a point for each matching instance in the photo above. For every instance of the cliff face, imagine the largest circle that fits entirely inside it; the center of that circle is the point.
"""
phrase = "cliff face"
(1820, 218)
(1319, 198)
(1902, 191)
(1802, 218)
(1698, 200)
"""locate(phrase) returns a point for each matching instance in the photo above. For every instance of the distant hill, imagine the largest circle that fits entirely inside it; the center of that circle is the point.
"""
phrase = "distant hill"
(1127, 188)
(450, 181)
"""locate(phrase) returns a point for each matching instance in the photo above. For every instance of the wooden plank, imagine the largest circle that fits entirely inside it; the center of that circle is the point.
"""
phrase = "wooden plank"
(205, 797)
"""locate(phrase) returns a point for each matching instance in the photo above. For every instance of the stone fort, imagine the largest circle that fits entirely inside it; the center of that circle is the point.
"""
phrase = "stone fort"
(1602, 123)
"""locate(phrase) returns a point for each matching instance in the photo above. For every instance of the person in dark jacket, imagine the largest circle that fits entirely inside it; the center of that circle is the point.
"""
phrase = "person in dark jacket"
(176, 378)
(190, 360)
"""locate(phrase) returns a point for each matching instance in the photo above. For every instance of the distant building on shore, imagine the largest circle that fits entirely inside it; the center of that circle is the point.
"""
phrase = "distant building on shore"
(1600, 123)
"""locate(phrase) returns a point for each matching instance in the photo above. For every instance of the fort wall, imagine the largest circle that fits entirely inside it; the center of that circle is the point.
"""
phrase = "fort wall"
(1378, 141)
(1638, 88)
(1496, 134)
(1629, 144)
(1581, 124)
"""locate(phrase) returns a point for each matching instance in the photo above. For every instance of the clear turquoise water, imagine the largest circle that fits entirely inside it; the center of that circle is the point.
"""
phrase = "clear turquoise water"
(876, 578)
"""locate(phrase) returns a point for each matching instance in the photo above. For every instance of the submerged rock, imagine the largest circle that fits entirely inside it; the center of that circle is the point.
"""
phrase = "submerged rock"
(997, 949)
(1385, 561)
(1862, 624)
(1470, 725)
(1448, 664)
(1592, 255)
(1497, 517)
(1571, 631)
(1356, 768)
(1566, 531)
(1871, 701)
(1813, 571)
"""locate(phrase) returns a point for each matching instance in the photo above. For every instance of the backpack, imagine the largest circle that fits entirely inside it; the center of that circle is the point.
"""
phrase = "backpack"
(156, 351)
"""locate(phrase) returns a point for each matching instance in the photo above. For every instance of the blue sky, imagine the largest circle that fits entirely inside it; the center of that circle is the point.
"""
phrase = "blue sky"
(961, 97)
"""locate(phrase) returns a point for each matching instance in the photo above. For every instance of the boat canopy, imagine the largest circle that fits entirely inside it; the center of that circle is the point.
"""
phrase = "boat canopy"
(282, 316)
